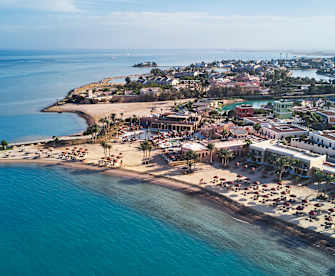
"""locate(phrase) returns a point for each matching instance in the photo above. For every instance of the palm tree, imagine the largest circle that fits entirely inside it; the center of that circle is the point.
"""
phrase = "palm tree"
(94, 131)
(134, 120)
(104, 123)
(257, 127)
(211, 148)
(318, 177)
(104, 146)
(225, 133)
(225, 155)
(144, 147)
(121, 115)
(109, 147)
(191, 158)
(329, 178)
(248, 142)
(4, 144)
(112, 116)
(149, 149)
(281, 163)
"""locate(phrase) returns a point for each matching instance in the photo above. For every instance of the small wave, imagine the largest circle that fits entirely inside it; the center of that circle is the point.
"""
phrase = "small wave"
(239, 220)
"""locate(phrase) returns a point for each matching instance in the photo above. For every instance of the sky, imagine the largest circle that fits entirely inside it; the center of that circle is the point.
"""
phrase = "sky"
(146, 24)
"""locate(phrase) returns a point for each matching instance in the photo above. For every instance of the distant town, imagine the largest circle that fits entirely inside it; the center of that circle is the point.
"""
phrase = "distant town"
(226, 78)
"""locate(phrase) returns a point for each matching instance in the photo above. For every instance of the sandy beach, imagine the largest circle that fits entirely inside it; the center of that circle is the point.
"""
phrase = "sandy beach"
(93, 112)
(239, 204)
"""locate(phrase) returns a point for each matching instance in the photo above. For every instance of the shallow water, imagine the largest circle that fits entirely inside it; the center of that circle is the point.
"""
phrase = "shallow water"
(58, 221)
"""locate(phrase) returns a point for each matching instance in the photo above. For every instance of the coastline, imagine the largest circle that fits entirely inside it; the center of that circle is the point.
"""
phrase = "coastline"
(88, 118)
(210, 197)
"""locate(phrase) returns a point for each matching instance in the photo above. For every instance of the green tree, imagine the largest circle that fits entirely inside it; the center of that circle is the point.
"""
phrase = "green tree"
(192, 158)
(144, 147)
(257, 127)
(211, 148)
(225, 155)
(128, 80)
(318, 177)
(225, 134)
(109, 147)
(4, 144)
(246, 147)
(281, 164)
(104, 146)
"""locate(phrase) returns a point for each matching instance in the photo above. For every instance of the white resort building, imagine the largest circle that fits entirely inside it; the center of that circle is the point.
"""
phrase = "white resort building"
(263, 153)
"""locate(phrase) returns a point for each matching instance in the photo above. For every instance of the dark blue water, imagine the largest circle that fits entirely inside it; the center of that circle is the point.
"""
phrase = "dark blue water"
(57, 221)
(31, 80)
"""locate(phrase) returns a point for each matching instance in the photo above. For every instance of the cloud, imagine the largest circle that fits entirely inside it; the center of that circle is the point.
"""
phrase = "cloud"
(181, 30)
(43, 5)
(184, 29)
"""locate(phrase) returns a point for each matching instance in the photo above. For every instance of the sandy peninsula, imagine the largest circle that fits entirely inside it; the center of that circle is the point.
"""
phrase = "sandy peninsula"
(94, 112)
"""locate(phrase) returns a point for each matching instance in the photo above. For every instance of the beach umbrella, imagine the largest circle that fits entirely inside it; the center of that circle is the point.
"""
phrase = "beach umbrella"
(222, 179)
(253, 169)
(245, 166)
(237, 164)
(318, 205)
(313, 213)
(239, 176)
(304, 201)
(248, 179)
(265, 185)
(300, 208)
(257, 182)
(273, 189)
(287, 204)
(293, 195)
(283, 193)
(329, 218)
(216, 176)
(331, 210)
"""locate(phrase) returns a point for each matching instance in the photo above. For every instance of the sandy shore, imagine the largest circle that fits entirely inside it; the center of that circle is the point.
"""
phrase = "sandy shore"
(208, 196)
(97, 111)
(93, 112)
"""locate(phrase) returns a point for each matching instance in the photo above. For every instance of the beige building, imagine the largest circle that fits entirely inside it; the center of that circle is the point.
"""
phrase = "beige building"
(263, 152)
(172, 122)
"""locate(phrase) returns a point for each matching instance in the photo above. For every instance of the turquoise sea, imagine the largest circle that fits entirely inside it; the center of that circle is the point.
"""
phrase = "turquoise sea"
(56, 221)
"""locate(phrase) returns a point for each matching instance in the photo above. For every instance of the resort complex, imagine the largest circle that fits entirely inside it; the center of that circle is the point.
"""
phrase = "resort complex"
(177, 125)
